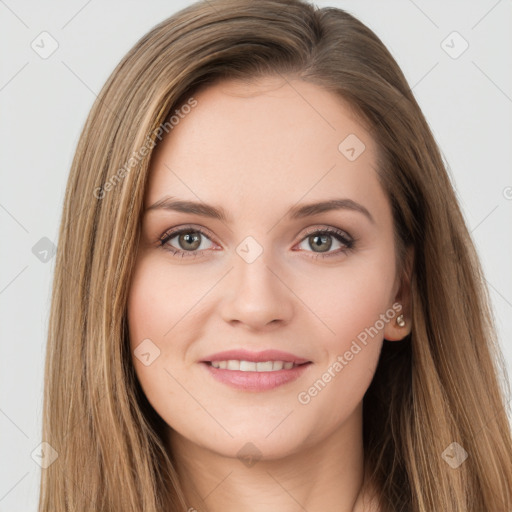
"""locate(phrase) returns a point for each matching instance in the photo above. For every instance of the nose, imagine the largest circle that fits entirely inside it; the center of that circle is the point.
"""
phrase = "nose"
(256, 296)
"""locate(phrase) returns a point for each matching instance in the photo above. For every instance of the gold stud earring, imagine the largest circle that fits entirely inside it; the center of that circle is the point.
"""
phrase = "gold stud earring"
(400, 320)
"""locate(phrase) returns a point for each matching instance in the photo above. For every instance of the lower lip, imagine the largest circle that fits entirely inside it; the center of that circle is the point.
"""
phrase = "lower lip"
(256, 381)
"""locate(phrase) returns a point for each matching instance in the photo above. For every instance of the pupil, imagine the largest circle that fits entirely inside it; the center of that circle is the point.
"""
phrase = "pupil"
(190, 238)
(319, 240)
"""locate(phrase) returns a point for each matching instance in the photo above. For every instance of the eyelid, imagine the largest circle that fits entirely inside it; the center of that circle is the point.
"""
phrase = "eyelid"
(186, 227)
(207, 233)
(326, 229)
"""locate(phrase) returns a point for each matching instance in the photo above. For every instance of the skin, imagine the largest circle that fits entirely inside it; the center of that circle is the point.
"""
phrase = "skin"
(256, 150)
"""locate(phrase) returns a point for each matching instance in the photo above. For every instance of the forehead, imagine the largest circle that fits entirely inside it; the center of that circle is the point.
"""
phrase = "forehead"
(256, 145)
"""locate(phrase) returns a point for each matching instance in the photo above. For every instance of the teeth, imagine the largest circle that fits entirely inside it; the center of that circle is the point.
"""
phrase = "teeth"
(246, 366)
(267, 366)
(251, 366)
(233, 365)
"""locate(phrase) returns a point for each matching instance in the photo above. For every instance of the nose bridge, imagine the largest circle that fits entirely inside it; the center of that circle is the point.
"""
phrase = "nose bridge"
(256, 294)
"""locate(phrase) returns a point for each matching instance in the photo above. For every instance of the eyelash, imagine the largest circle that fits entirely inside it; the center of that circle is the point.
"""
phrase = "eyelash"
(339, 235)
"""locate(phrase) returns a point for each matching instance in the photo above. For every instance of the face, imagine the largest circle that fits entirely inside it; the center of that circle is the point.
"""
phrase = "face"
(268, 274)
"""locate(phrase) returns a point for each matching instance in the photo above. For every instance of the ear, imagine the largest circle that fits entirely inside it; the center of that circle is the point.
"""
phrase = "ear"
(402, 303)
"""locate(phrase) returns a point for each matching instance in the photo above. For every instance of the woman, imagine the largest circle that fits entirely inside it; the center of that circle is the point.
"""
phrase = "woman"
(209, 347)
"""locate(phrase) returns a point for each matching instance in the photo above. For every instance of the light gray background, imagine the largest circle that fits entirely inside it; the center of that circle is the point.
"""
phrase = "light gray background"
(44, 103)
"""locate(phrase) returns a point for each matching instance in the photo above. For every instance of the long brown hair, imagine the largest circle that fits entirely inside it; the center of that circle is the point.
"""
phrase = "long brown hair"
(437, 387)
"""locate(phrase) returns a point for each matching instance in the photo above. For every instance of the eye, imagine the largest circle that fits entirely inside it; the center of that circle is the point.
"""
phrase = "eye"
(190, 242)
(321, 241)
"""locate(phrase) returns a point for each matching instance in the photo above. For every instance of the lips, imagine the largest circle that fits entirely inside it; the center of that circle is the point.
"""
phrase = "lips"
(255, 371)
(256, 357)
(251, 366)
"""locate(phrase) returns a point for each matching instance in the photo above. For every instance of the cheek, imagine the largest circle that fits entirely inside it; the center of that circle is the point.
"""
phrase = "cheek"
(354, 308)
(158, 301)
(146, 307)
(350, 300)
(154, 312)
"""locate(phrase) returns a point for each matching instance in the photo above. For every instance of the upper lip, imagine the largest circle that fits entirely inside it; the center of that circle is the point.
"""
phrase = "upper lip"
(264, 355)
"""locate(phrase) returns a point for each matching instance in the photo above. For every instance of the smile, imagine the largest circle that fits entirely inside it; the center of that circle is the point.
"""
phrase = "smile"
(252, 366)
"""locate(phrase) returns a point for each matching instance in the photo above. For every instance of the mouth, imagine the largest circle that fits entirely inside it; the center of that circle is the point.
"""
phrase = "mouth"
(254, 366)
(255, 372)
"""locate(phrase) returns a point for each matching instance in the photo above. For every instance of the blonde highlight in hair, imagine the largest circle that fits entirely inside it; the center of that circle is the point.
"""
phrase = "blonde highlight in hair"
(440, 385)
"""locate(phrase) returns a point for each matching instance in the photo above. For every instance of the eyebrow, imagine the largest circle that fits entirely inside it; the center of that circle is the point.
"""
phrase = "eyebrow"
(295, 212)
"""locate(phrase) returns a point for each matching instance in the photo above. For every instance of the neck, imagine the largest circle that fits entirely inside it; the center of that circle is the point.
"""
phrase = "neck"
(327, 475)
